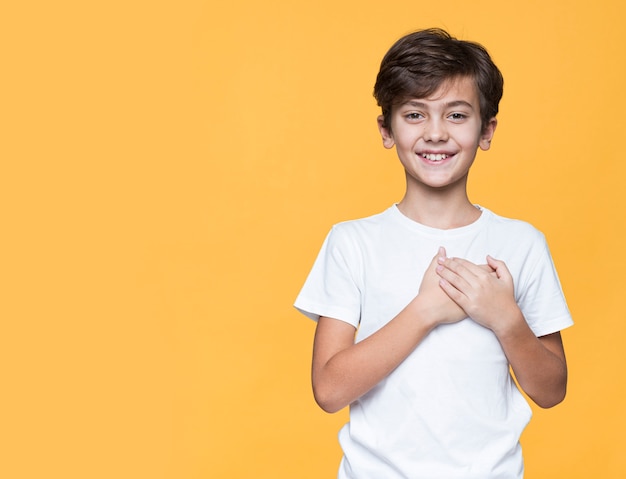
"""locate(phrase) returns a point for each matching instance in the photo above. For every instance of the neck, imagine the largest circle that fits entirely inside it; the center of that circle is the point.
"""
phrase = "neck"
(439, 209)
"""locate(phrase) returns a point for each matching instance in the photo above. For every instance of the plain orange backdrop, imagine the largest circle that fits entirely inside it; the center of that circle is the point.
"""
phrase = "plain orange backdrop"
(169, 171)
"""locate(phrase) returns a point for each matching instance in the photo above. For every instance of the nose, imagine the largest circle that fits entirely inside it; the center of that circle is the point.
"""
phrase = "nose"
(435, 130)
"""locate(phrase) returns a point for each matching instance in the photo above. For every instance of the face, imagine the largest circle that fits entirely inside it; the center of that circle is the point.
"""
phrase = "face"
(436, 138)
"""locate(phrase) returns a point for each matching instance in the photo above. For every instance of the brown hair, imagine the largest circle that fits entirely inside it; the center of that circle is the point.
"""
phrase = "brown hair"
(420, 62)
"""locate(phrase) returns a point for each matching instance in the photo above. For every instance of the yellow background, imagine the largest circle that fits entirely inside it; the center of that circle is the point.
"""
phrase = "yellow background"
(169, 170)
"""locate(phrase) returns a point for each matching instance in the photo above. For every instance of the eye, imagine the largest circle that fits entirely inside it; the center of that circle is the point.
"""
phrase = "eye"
(457, 116)
(414, 116)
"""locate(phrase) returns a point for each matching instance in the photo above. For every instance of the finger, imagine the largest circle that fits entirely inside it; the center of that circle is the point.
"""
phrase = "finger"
(456, 276)
(493, 262)
(460, 266)
(430, 277)
(453, 293)
(499, 267)
(440, 256)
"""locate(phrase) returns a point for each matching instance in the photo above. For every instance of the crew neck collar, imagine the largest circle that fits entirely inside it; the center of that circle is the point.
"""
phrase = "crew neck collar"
(407, 222)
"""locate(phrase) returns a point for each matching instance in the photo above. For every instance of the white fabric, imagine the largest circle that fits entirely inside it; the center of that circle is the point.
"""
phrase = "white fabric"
(451, 409)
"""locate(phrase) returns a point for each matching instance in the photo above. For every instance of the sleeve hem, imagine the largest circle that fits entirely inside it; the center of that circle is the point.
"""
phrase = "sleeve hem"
(315, 311)
(553, 326)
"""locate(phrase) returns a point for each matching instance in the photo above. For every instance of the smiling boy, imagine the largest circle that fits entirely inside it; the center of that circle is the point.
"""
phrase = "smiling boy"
(423, 310)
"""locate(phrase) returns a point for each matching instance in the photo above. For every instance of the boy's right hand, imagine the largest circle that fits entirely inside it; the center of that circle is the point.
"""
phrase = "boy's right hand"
(436, 304)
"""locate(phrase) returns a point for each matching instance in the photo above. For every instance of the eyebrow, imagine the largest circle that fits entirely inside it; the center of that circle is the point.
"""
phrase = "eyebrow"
(451, 104)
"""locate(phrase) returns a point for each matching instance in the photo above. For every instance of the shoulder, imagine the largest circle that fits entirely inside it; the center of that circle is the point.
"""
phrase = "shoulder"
(357, 240)
(362, 228)
(513, 229)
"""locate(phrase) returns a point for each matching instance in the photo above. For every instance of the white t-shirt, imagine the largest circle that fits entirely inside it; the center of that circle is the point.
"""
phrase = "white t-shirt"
(451, 409)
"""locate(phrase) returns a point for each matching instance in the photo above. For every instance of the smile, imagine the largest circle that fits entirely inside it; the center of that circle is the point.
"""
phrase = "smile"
(434, 157)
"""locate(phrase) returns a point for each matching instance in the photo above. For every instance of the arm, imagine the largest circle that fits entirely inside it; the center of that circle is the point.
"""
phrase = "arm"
(538, 363)
(342, 371)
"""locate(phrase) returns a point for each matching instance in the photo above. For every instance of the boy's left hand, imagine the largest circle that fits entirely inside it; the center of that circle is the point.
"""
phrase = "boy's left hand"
(485, 294)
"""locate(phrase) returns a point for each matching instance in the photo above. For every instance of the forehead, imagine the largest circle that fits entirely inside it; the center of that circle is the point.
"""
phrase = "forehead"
(461, 89)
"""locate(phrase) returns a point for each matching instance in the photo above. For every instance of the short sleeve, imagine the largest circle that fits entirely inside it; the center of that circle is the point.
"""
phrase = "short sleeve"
(541, 297)
(331, 288)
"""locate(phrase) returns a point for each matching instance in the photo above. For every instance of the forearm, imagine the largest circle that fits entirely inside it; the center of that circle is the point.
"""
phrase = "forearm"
(487, 297)
(352, 371)
(538, 363)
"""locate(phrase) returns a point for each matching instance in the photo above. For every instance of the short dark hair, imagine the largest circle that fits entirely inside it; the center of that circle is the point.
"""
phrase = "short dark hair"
(420, 62)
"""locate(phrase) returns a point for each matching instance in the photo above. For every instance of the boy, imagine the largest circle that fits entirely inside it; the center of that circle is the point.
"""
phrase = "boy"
(422, 310)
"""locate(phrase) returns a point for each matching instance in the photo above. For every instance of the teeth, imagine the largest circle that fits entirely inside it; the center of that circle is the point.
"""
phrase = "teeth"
(437, 157)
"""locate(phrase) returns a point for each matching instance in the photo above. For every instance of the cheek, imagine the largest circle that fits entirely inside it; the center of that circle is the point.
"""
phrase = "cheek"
(469, 139)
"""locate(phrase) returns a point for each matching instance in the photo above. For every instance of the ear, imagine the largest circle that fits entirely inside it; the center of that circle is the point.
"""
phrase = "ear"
(388, 141)
(487, 135)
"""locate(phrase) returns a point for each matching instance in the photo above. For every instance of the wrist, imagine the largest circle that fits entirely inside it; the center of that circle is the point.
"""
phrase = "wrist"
(424, 312)
(510, 323)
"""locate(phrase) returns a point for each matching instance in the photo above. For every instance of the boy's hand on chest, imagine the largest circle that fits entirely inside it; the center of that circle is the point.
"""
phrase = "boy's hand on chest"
(485, 292)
